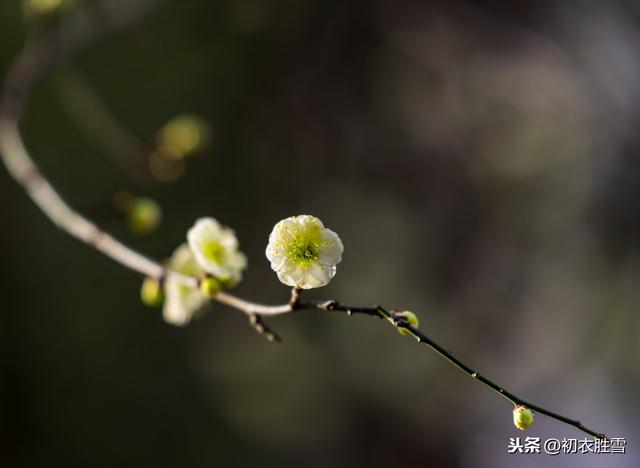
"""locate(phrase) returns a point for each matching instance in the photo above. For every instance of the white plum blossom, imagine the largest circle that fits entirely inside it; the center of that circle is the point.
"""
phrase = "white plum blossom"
(182, 301)
(215, 248)
(304, 253)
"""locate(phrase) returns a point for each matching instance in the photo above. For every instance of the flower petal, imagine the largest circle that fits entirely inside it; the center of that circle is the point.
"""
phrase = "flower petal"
(182, 302)
(215, 248)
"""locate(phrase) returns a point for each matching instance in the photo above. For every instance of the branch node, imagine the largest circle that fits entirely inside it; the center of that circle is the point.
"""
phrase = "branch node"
(398, 320)
(260, 326)
(332, 305)
(382, 312)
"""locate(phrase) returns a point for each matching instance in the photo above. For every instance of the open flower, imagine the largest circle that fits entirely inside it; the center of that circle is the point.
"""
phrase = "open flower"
(215, 248)
(181, 301)
(304, 253)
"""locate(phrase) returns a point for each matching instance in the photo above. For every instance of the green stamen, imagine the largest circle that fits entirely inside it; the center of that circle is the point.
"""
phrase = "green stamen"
(304, 246)
(214, 251)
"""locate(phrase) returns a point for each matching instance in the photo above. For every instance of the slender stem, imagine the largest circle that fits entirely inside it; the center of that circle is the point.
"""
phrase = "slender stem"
(250, 307)
(399, 322)
(516, 400)
(31, 65)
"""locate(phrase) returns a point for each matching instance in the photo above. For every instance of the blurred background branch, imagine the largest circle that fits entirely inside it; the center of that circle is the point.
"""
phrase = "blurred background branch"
(86, 25)
(93, 117)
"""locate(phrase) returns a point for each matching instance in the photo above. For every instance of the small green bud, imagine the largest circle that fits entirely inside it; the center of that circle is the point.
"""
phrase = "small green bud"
(151, 292)
(143, 215)
(522, 417)
(210, 286)
(411, 318)
(183, 136)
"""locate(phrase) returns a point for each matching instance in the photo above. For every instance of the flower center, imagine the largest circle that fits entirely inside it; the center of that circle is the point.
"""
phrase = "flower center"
(214, 251)
(304, 252)
(304, 248)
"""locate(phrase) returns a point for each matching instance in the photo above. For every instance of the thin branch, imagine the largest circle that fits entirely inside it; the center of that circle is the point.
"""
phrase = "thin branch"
(516, 400)
(31, 64)
(85, 26)
(259, 325)
(399, 322)
(24, 171)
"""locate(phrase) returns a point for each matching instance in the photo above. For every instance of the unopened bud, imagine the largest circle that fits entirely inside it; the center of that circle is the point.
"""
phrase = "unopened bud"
(210, 286)
(151, 292)
(522, 417)
(411, 319)
(143, 215)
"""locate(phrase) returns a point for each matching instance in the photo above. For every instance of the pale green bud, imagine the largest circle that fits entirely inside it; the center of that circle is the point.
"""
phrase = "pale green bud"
(210, 286)
(411, 318)
(151, 292)
(183, 136)
(522, 417)
(143, 215)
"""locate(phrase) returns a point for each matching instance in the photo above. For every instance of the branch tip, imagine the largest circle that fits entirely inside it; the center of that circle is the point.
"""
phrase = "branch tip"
(261, 327)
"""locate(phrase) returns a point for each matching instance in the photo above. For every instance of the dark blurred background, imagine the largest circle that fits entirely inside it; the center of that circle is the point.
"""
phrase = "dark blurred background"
(479, 159)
